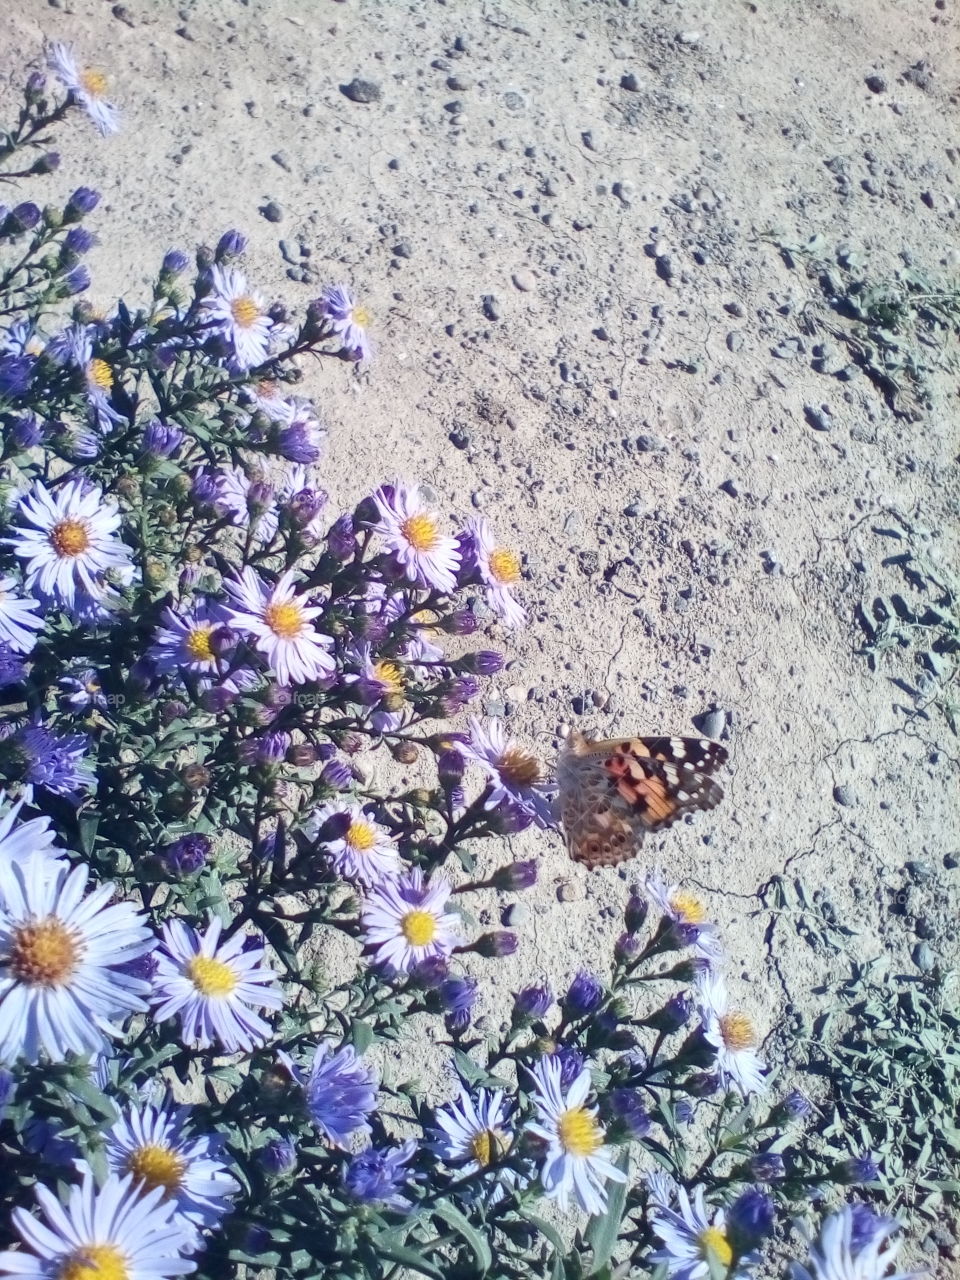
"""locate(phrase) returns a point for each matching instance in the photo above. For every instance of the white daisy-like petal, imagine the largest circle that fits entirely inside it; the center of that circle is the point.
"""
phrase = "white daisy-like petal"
(113, 1231)
(87, 85)
(20, 839)
(240, 315)
(183, 642)
(404, 922)
(514, 773)
(854, 1244)
(732, 1035)
(686, 908)
(62, 983)
(365, 852)
(412, 531)
(694, 1244)
(474, 1132)
(18, 621)
(281, 626)
(576, 1161)
(67, 539)
(500, 570)
(214, 988)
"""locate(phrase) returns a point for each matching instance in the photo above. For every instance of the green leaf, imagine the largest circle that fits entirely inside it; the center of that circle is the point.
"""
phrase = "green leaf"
(475, 1240)
(604, 1228)
(409, 1258)
(361, 1033)
(546, 1229)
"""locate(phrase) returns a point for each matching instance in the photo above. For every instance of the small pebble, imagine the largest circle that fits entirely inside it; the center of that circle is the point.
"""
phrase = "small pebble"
(567, 891)
(624, 191)
(524, 279)
(845, 796)
(362, 91)
(515, 915)
(819, 416)
(459, 84)
(920, 872)
(689, 37)
(491, 306)
(649, 442)
(730, 488)
(281, 158)
(924, 957)
(735, 340)
(403, 250)
(272, 211)
(876, 83)
(712, 723)
(630, 82)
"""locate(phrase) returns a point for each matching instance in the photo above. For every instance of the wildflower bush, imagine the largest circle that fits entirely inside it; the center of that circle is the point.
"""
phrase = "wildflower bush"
(197, 662)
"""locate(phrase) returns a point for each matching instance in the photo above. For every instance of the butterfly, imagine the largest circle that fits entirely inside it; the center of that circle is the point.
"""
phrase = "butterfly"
(613, 792)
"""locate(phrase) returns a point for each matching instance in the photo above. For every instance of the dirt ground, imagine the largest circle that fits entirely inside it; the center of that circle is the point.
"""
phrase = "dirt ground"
(572, 222)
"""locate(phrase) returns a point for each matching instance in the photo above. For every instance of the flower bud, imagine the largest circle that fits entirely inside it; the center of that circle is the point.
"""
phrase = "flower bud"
(83, 201)
(49, 162)
(496, 945)
(856, 1171)
(627, 947)
(702, 1085)
(629, 1114)
(450, 767)
(174, 262)
(516, 876)
(337, 775)
(462, 622)
(430, 973)
(341, 540)
(531, 1003)
(302, 754)
(584, 995)
(187, 855)
(635, 913)
(367, 512)
(278, 1157)
(404, 752)
(766, 1166)
(674, 1015)
(218, 698)
(195, 777)
(484, 663)
(750, 1219)
(23, 217)
(230, 245)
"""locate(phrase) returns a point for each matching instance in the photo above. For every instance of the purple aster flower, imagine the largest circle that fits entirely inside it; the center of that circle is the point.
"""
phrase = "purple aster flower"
(304, 506)
(627, 947)
(279, 1157)
(461, 622)
(26, 431)
(84, 690)
(857, 1170)
(339, 1092)
(513, 773)
(627, 1109)
(750, 1219)
(83, 201)
(683, 1111)
(766, 1166)
(532, 1002)
(16, 373)
(230, 245)
(484, 663)
(144, 967)
(23, 217)
(376, 1176)
(496, 945)
(187, 854)
(348, 320)
(342, 539)
(867, 1226)
(161, 439)
(337, 775)
(516, 876)
(12, 669)
(76, 280)
(77, 443)
(301, 438)
(174, 261)
(78, 240)
(266, 748)
(206, 488)
(571, 1064)
(55, 761)
(584, 996)
(458, 996)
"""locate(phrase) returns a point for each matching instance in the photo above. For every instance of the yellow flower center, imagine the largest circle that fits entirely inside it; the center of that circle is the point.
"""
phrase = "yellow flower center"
(714, 1244)
(69, 537)
(211, 977)
(361, 316)
(99, 374)
(361, 836)
(421, 532)
(44, 953)
(486, 1145)
(419, 928)
(738, 1032)
(197, 643)
(94, 82)
(93, 686)
(390, 675)
(284, 620)
(156, 1167)
(688, 908)
(94, 1262)
(519, 767)
(579, 1132)
(245, 311)
(505, 566)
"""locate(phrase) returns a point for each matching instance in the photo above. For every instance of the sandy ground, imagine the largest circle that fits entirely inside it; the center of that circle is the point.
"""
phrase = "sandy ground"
(565, 218)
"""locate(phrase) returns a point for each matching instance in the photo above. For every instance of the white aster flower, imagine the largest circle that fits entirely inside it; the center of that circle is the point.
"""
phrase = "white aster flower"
(280, 624)
(686, 908)
(268, 396)
(349, 320)
(240, 315)
(661, 1188)
(694, 1246)
(412, 531)
(499, 570)
(404, 921)
(74, 346)
(62, 984)
(18, 623)
(854, 1244)
(514, 773)
(20, 839)
(733, 1035)
(234, 498)
(68, 543)
(365, 852)
(213, 987)
(151, 1144)
(113, 1233)
(474, 1132)
(183, 643)
(576, 1160)
(87, 85)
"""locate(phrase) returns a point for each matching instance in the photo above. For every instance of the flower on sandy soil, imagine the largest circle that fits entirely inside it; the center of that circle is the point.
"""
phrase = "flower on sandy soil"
(375, 1176)
(854, 1244)
(151, 1144)
(301, 436)
(348, 320)
(56, 761)
(281, 625)
(499, 570)
(62, 982)
(514, 774)
(240, 316)
(412, 531)
(576, 1160)
(18, 621)
(184, 642)
(110, 1233)
(378, 678)
(404, 922)
(694, 1245)
(67, 540)
(473, 1132)
(86, 85)
(74, 345)
(20, 838)
(214, 987)
(249, 503)
(356, 847)
(733, 1036)
(687, 909)
(339, 1092)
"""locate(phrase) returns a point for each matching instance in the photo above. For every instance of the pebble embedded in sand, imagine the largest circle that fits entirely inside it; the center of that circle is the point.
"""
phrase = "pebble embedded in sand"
(524, 279)
(362, 90)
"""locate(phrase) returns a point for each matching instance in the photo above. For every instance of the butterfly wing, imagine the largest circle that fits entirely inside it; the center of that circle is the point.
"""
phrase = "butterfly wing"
(613, 792)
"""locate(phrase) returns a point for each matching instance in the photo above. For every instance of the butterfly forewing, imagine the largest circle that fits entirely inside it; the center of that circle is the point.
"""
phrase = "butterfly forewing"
(613, 792)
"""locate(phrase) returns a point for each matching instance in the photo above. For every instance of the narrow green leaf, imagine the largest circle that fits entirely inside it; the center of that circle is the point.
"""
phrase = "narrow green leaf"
(604, 1228)
(475, 1240)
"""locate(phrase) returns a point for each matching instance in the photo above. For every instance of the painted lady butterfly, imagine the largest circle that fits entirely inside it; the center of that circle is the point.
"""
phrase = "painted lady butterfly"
(613, 792)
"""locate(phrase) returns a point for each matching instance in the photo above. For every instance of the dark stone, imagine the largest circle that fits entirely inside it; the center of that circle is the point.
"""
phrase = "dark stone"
(362, 91)
(876, 83)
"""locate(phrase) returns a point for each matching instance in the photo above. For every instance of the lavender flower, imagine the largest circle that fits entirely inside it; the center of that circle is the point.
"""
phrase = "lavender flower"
(339, 1092)
(161, 439)
(376, 1176)
(12, 669)
(458, 996)
(279, 1157)
(584, 996)
(187, 855)
(531, 1002)
(55, 761)
(174, 262)
(83, 201)
(750, 1219)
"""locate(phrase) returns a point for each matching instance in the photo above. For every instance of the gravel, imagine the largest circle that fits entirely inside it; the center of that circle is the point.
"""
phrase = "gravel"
(363, 91)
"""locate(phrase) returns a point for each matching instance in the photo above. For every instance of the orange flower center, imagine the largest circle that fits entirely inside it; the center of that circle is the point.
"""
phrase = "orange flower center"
(99, 374)
(157, 1167)
(245, 311)
(44, 953)
(390, 675)
(421, 532)
(738, 1032)
(520, 767)
(69, 537)
(505, 566)
(688, 908)
(284, 619)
